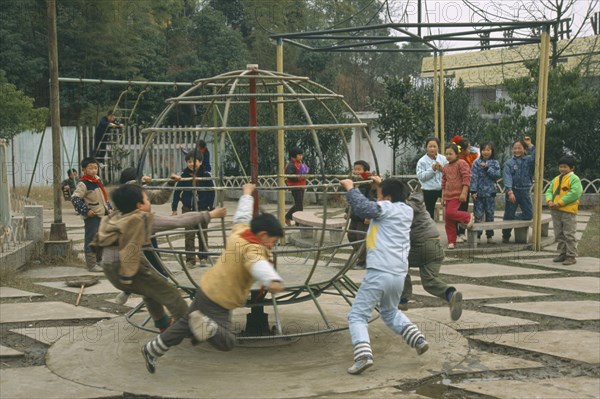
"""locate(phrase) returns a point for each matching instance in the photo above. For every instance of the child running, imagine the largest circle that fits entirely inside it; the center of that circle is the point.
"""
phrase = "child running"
(562, 197)
(224, 287)
(388, 245)
(456, 178)
(485, 172)
(518, 178)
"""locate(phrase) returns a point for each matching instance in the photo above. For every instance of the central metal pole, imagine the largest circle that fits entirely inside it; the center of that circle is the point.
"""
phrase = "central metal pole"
(253, 141)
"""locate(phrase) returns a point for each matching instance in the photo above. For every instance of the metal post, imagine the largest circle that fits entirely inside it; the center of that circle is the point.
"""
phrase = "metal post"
(436, 103)
(419, 17)
(253, 141)
(58, 230)
(540, 139)
(442, 131)
(280, 138)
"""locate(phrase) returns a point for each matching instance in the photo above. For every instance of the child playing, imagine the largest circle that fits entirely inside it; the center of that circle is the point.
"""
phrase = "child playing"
(469, 154)
(296, 167)
(429, 173)
(485, 172)
(357, 224)
(387, 251)
(562, 196)
(194, 201)
(518, 178)
(224, 287)
(125, 233)
(427, 254)
(69, 184)
(456, 177)
(91, 202)
(205, 154)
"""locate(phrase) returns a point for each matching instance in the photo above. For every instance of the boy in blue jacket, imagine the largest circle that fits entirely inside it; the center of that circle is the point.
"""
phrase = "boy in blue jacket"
(194, 200)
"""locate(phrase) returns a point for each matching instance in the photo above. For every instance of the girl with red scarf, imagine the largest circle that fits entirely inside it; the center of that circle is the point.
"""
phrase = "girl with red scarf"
(296, 167)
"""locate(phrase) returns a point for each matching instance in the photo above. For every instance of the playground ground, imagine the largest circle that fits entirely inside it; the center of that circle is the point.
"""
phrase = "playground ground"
(531, 328)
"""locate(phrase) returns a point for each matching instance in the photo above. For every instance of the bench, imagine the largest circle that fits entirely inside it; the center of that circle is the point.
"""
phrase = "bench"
(315, 219)
(521, 228)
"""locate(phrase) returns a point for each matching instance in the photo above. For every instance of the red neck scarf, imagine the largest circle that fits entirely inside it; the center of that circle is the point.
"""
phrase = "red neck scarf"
(249, 236)
(365, 175)
(98, 182)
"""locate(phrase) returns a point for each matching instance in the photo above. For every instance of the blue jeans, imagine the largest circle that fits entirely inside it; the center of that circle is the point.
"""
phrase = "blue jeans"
(484, 206)
(523, 200)
(377, 288)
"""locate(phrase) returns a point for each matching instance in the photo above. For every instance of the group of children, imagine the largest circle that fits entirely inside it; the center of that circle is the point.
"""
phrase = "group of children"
(399, 234)
(462, 172)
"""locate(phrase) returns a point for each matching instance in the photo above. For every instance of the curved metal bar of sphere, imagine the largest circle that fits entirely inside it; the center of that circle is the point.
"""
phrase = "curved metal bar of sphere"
(228, 93)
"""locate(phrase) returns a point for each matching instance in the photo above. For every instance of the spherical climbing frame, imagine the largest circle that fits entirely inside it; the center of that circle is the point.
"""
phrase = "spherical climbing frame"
(251, 102)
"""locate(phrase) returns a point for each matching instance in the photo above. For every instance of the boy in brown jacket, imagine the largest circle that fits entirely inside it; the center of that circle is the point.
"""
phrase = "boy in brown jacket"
(125, 233)
(224, 287)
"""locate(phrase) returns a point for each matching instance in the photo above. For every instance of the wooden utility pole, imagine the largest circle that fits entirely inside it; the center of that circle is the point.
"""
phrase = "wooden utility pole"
(58, 230)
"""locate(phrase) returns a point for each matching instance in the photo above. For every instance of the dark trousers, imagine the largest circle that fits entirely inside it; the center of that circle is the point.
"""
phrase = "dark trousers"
(352, 236)
(223, 340)
(427, 256)
(190, 240)
(298, 195)
(155, 290)
(483, 210)
(154, 258)
(90, 227)
(430, 198)
(523, 200)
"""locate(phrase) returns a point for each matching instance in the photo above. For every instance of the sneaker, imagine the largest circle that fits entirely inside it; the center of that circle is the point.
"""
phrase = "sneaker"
(150, 360)
(202, 326)
(190, 264)
(288, 222)
(569, 260)
(203, 263)
(490, 240)
(361, 365)
(122, 298)
(421, 347)
(505, 240)
(455, 305)
(560, 258)
(471, 221)
(463, 238)
(96, 269)
(460, 239)
(403, 305)
(450, 246)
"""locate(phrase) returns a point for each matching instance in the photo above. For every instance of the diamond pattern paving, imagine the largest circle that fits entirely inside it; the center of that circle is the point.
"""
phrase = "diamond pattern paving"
(590, 285)
(471, 291)
(574, 310)
(19, 312)
(9, 292)
(584, 264)
(488, 270)
(469, 320)
(559, 388)
(570, 344)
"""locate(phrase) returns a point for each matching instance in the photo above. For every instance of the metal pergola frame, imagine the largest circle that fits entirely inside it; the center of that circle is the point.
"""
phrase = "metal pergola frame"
(366, 38)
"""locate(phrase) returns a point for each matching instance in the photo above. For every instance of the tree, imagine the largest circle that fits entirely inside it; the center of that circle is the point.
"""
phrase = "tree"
(573, 125)
(18, 113)
(405, 114)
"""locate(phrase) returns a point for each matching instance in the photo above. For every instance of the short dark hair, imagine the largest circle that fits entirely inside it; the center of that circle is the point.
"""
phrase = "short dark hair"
(128, 174)
(364, 164)
(395, 188)
(454, 148)
(523, 143)
(568, 160)
(464, 143)
(194, 155)
(201, 143)
(267, 223)
(86, 161)
(294, 151)
(491, 145)
(72, 171)
(432, 139)
(127, 196)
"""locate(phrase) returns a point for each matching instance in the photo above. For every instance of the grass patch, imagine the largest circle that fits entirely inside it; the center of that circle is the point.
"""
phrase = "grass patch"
(588, 245)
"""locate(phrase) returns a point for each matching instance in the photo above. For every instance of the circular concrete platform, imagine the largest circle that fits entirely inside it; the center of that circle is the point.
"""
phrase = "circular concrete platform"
(107, 355)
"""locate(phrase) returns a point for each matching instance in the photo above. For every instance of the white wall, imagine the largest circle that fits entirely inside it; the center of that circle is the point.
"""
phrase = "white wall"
(360, 149)
(26, 147)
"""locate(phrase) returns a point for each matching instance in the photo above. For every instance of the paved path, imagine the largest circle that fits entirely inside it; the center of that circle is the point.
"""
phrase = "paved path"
(530, 329)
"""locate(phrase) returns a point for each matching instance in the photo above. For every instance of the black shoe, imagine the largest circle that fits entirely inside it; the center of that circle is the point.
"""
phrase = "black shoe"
(150, 360)
(560, 258)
